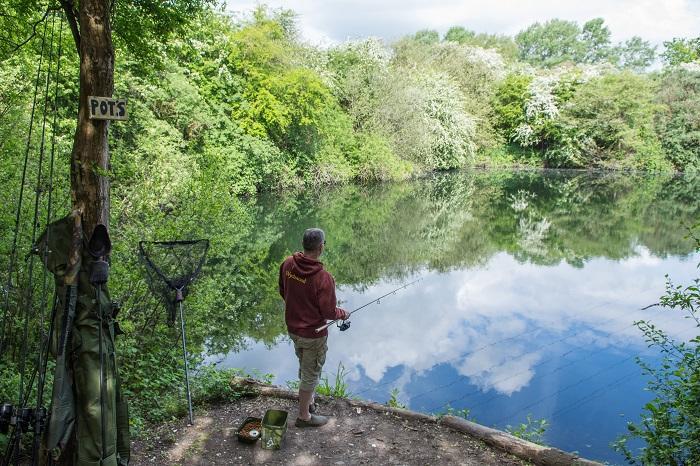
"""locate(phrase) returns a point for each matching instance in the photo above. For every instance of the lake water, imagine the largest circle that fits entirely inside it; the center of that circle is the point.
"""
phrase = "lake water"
(531, 282)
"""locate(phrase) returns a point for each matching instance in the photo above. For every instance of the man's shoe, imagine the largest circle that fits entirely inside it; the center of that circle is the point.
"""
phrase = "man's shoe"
(316, 420)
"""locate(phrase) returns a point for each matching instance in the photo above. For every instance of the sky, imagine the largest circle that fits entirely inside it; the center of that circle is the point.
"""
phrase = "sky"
(326, 22)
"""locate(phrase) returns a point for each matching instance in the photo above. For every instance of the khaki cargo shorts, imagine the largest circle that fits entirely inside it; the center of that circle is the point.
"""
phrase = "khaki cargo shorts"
(311, 353)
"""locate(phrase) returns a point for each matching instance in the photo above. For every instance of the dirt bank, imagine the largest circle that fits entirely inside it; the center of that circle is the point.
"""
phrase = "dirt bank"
(359, 432)
(353, 436)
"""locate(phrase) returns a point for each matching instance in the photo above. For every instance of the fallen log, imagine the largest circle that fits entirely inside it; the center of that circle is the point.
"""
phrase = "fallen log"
(538, 454)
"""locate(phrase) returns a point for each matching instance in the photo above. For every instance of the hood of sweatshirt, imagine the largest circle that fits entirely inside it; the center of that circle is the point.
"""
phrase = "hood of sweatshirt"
(306, 266)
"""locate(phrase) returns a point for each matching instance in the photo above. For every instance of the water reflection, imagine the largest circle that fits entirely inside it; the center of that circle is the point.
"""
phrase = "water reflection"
(531, 284)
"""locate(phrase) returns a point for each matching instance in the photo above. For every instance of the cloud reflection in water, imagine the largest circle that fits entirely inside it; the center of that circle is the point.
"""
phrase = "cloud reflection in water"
(455, 317)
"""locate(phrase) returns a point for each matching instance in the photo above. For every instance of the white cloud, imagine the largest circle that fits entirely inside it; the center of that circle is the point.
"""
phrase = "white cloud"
(323, 21)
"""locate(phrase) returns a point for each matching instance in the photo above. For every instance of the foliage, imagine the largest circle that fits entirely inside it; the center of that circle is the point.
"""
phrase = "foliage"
(509, 103)
(558, 41)
(670, 425)
(532, 430)
(140, 27)
(222, 110)
(505, 45)
(595, 39)
(394, 400)
(679, 50)
(213, 385)
(339, 387)
(551, 43)
(464, 413)
(678, 118)
(424, 119)
(636, 54)
(609, 121)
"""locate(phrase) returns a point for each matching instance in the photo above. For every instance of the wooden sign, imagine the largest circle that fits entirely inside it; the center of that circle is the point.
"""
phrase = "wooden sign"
(107, 108)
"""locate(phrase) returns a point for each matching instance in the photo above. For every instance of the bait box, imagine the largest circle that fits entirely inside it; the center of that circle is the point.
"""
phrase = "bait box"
(274, 425)
(245, 438)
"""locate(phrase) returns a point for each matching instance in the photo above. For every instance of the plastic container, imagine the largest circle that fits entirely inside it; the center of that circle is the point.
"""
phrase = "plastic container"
(274, 425)
(246, 437)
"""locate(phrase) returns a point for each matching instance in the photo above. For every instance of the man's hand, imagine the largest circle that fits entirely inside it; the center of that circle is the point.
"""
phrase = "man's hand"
(346, 314)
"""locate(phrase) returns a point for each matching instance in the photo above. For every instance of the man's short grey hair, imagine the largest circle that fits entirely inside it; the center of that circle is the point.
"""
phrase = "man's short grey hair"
(313, 238)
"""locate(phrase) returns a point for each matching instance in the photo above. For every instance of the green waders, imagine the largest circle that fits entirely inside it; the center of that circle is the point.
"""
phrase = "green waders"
(95, 410)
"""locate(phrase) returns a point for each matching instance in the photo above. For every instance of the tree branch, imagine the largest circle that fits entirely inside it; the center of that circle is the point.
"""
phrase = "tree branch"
(34, 26)
(72, 17)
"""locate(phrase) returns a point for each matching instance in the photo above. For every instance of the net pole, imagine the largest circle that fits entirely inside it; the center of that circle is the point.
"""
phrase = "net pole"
(184, 355)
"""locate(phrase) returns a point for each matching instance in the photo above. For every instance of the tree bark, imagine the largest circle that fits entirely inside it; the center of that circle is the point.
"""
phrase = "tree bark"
(90, 157)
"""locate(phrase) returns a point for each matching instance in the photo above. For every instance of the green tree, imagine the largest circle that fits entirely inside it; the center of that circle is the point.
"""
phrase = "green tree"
(509, 103)
(427, 36)
(678, 118)
(595, 38)
(459, 34)
(550, 43)
(609, 122)
(505, 45)
(636, 54)
(680, 50)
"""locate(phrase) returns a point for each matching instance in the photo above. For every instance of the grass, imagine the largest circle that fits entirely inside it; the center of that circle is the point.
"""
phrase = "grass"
(464, 413)
(339, 388)
(394, 400)
(531, 430)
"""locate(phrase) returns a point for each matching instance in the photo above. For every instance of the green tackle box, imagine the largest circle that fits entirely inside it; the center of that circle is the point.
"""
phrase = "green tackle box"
(274, 425)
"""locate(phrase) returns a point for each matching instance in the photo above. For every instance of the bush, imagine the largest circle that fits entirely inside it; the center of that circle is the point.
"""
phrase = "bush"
(509, 103)
(423, 116)
(678, 118)
(609, 123)
(532, 430)
(670, 425)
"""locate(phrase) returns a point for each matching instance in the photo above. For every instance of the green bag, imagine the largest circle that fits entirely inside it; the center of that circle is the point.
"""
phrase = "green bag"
(76, 406)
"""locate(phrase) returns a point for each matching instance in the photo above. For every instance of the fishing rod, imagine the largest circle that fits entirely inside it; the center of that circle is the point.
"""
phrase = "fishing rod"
(346, 325)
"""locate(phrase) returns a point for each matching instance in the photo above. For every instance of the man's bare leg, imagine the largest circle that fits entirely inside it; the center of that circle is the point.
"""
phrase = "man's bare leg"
(305, 397)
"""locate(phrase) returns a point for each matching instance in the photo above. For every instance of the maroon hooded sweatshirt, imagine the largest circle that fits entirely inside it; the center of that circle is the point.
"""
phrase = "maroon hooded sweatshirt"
(309, 295)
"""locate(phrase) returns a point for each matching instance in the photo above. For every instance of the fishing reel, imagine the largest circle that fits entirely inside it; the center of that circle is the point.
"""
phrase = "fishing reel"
(344, 326)
(24, 419)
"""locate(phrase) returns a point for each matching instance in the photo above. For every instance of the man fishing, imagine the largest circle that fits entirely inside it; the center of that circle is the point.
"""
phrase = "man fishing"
(309, 296)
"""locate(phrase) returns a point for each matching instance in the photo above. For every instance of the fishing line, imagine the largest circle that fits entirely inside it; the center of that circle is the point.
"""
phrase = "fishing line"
(595, 394)
(25, 419)
(543, 362)
(13, 252)
(346, 322)
(561, 390)
(29, 302)
(587, 398)
(477, 350)
(557, 369)
(481, 348)
(513, 414)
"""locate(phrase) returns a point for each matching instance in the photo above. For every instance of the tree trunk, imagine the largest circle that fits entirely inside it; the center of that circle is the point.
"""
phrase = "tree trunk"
(90, 157)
